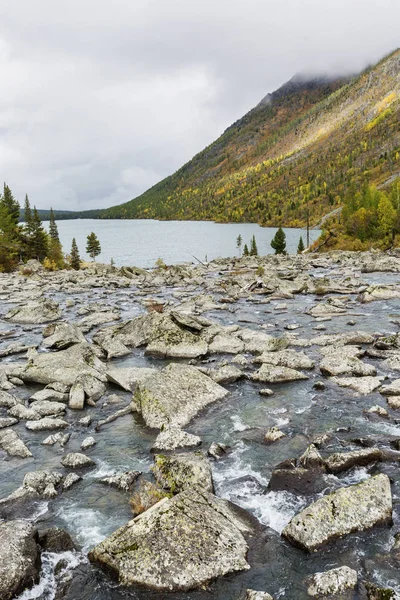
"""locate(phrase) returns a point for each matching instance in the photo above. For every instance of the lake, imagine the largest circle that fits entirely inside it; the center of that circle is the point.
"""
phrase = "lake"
(141, 242)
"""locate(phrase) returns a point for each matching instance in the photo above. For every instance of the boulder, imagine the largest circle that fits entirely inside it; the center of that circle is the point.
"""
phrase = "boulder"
(347, 510)
(41, 311)
(55, 539)
(226, 344)
(179, 544)
(171, 438)
(174, 395)
(46, 408)
(392, 389)
(342, 461)
(337, 364)
(76, 460)
(361, 385)
(88, 443)
(49, 395)
(22, 413)
(76, 396)
(273, 435)
(271, 374)
(19, 558)
(7, 422)
(64, 366)
(177, 472)
(70, 480)
(122, 481)
(286, 358)
(127, 377)
(253, 595)
(225, 374)
(36, 484)
(46, 424)
(11, 443)
(7, 400)
(60, 336)
(335, 581)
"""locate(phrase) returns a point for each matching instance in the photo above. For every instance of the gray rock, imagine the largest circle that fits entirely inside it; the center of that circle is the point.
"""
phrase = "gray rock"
(19, 558)
(36, 484)
(335, 581)
(70, 480)
(49, 395)
(171, 438)
(122, 481)
(55, 539)
(286, 358)
(273, 435)
(7, 422)
(119, 413)
(226, 344)
(311, 459)
(46, 424)
(21, 412)
(45, 408)
(63, 367)
(226, 374)
(11, 443)
(216, 450)
(253, 595)
(57, 438)
(7, 400)
(349, 509)
(271, 374)
(341, 461)
(88, 443)
(76, 396)
(174, 395)
(393, 389)
(62, 335)
(85, 421)
(361, 385)
(178, 472)
(76, 460)
(337, 364)
(179, 544)
(127, 377)
(41, 311)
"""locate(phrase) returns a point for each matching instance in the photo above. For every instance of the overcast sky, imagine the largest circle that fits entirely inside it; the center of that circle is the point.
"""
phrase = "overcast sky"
(100, 99)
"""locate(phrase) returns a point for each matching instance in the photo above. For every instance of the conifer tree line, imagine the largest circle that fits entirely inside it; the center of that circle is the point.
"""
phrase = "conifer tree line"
(29, 240)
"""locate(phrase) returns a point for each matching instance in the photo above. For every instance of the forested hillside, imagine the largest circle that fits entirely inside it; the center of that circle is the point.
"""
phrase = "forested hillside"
(294, 156)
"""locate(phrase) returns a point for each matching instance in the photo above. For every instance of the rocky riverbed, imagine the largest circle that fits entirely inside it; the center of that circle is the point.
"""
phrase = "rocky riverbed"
(227, 431)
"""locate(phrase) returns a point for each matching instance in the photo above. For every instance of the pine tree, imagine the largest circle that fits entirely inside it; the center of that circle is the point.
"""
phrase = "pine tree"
(93, 247)
(27, 214)
(246, 250)
(39, 238)
(53, 230)
(300, 247)
(279, 242)
(253, 247)
(75, 260)
(239, 241)
(11, 204)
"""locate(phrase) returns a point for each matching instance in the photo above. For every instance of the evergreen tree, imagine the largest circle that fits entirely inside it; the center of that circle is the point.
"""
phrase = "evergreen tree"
(239, 241)
(9, 242)
(253, 247)
(246, 250)
(279, 242)
(39, 239)
(53, 230)
(27, 214)
(75, 259)
(300, 247)
(11, 204)
(93, 247)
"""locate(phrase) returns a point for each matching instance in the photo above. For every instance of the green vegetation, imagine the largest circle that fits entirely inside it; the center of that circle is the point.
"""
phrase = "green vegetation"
(93, 247)
(246, 250)
(300, 247)
(75, 259)
(239, 241)
(253, 246)
(370, 217)
(278, 242)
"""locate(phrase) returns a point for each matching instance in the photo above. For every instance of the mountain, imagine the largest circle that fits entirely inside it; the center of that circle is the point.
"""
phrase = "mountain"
(294, 155)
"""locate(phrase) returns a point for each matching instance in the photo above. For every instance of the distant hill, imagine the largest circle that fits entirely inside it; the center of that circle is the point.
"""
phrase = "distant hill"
(295, 154)
(62, 215)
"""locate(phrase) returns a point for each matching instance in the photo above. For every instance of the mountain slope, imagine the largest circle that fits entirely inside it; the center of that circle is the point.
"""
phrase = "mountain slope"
(293, 155)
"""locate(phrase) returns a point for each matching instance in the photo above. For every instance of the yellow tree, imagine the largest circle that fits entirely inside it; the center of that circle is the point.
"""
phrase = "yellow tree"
(386, 216)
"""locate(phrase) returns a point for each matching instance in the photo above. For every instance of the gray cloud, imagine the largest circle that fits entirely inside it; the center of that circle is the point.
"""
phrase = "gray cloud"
(99, 100)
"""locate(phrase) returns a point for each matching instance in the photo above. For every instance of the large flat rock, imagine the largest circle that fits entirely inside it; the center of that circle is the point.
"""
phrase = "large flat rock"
(179, 544)
(349, 509)
(174, 395)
